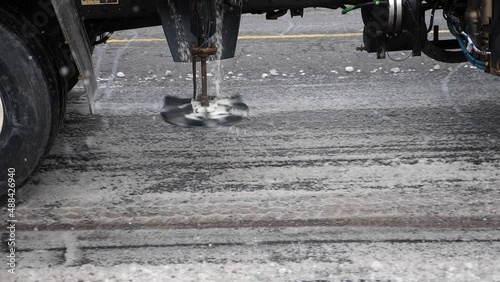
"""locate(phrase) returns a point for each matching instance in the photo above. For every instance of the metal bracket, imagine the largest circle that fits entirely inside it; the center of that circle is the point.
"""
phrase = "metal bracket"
(78, 41)
(274, 15)
(381, 45)
(297, 12)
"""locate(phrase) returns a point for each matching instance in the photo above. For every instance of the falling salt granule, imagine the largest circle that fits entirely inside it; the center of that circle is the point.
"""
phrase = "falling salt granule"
(273, 72)
(120, 74)
(264, 75)
(473, 67)
(349, 69)
(303, 73)
(168, 73)
(284, 74)
(376, 266)
(248, 55)
(431, 70)
(466, 66)
(301, 70)
(437, 67)
(395, 70)
(240, 74)
(210, 74)
(358, 71)
(64, 71)
(229, 73)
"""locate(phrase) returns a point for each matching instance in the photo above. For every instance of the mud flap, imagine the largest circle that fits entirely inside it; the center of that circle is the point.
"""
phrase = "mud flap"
(78, 41)
(176, 17)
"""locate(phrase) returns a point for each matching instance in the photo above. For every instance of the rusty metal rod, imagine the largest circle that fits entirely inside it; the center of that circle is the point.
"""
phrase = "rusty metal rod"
(204, 89)
(203, 54)
(194, 78)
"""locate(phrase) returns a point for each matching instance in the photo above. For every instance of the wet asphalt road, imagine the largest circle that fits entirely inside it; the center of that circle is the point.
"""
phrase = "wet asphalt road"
(399, 157)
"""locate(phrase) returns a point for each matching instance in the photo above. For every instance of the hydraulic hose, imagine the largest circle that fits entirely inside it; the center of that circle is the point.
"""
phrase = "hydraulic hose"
(477, 63)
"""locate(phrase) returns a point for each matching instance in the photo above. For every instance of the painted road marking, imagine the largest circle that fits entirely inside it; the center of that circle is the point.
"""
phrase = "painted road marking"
(257, 37)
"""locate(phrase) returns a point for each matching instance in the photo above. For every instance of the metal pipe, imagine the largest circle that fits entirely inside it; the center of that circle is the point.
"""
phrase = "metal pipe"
(472, 18)
(486, 17)
(487, 12)
(204, 89)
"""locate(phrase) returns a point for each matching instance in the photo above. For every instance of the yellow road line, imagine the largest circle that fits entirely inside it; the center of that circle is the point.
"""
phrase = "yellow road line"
(297, 36)
(258, 37)
(248, 37)
(137, 40)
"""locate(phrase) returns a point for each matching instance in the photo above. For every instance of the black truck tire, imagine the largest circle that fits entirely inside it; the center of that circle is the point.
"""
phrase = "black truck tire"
(30, 95)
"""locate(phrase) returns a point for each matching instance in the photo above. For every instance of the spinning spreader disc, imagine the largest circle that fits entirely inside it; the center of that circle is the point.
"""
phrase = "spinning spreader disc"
(189, 113)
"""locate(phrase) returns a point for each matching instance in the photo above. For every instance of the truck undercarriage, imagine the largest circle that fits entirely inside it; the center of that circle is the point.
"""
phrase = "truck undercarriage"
(49, 46)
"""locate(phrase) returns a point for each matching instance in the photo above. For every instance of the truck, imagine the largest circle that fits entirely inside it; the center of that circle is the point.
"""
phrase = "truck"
(47, 49)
